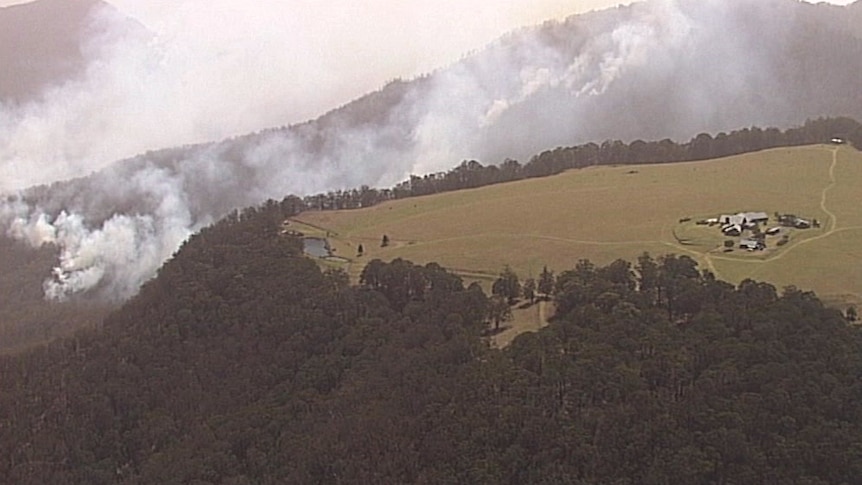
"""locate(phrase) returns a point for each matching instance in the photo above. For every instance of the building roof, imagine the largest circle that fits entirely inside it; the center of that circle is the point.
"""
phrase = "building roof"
(728, 228)
(756, 216)
(736, 219)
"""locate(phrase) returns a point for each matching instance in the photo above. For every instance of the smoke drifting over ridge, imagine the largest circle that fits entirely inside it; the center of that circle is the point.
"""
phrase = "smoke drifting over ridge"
(208, 69)
(654, 70)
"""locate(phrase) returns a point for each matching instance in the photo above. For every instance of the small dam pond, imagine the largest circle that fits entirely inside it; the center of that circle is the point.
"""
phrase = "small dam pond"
(317, 247)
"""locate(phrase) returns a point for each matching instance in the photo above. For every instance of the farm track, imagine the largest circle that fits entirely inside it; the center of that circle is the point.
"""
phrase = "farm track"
(530, 319)
(707, 258)
(833, 221)
(833, 227)
(824, 178)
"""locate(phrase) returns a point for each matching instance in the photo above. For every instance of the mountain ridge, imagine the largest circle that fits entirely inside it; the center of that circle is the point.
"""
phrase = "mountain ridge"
(647, 71)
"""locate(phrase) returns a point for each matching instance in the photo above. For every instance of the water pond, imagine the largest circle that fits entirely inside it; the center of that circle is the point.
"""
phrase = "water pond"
(317, 247)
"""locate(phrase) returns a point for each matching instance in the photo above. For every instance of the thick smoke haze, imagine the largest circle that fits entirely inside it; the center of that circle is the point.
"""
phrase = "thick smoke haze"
(204, 70)
(659, 69)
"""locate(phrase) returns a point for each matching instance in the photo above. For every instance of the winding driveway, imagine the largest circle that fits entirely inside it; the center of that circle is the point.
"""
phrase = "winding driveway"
(833, 226)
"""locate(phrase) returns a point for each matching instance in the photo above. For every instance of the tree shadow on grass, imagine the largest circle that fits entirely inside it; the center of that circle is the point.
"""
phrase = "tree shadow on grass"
(490, 332)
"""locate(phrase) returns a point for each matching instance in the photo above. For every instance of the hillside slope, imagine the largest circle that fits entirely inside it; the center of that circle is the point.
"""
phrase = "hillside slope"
(610, 212)
(243, 363)
(651, 70)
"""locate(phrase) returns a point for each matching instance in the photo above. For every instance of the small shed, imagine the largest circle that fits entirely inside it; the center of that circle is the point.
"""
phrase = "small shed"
(750, 244)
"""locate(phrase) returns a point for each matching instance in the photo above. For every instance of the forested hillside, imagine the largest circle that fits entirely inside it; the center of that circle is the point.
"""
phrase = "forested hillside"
(30, 321)
(654, 70)
(25, 318)
(243, 362)
(198, 345)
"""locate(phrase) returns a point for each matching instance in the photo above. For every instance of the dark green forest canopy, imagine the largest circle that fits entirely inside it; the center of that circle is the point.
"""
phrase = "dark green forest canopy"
(244, 362)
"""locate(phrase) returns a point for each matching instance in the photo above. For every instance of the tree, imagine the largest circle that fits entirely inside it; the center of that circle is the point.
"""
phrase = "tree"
(648, 275)
(529, 289)
(372, 274)
(499, 310)
(619, 273)
(507, 285)
(584, 271)
(678, 284)
(546, 282)
(360, 250)
(385, 241)
(337, 277)
(851, 314)
(700, 148)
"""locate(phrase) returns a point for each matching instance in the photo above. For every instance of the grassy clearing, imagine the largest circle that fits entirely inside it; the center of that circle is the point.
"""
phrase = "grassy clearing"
(525, 318)
(604, 213)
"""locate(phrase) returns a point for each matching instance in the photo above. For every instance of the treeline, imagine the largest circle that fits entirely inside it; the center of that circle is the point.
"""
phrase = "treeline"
(472, 174)
(243, 362)
(217, 372)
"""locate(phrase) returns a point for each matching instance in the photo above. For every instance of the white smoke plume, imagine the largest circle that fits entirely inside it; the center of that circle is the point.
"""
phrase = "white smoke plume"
(659, 69)
(204, 70)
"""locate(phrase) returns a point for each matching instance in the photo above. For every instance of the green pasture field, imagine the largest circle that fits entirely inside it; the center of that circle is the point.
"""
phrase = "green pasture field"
(609, 212)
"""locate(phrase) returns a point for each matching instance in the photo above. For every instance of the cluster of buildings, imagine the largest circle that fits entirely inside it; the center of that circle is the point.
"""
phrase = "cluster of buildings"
(735, 225)
(790, 220)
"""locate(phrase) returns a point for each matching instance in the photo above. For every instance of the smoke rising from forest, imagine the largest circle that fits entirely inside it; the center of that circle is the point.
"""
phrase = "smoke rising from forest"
(660, 69)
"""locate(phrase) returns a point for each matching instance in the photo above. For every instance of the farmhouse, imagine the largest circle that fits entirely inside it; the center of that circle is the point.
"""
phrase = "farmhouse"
(744, 218)
(738, 219)
(733, 225)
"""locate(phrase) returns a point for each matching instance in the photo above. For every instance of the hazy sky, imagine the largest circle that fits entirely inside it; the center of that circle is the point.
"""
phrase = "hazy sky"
(220, 68)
